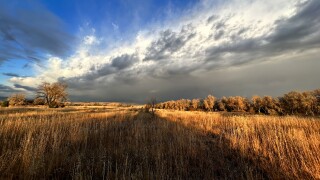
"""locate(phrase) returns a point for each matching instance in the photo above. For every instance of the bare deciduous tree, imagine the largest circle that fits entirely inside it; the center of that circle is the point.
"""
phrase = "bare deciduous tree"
(54, 94)
(151, 105)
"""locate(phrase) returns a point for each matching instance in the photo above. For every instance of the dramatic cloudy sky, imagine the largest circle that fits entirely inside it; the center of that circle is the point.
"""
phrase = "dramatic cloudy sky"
(124, 50)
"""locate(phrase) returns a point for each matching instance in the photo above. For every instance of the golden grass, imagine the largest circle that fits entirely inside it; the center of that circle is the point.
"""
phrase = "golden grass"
(283, 147)
(111, 143)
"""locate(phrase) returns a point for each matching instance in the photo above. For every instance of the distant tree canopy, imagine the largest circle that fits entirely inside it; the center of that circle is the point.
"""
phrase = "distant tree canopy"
(304, 103)
(208, 103)
(52, 94)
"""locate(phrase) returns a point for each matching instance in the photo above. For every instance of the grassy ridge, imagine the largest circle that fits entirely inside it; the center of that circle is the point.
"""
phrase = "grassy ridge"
(130, 144)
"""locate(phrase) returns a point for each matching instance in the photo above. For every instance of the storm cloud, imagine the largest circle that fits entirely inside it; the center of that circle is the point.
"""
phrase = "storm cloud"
(300, 31)
(123, 61)
(30, 34)
(297, 33)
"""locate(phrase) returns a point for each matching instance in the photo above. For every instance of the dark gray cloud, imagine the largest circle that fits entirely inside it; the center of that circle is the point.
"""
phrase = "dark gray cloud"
(169, 42)
(105, 70)
(241, 31)
(297, 33)
(298, 28)
(124, 61)
(219, 25)
(29, 32)
(241, 46)
(301, 30)
(11, 74)
(267, 78)
(219, 34)
(28, 88)
(274, 78)
(7, 89)
(117, 67)
(212, 18)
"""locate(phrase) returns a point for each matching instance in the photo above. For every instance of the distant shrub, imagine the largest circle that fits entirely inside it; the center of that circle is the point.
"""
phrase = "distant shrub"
(29, 102)
(17, 100)
(57, 105)
(147, 108)
(38, 101)
(5, 104)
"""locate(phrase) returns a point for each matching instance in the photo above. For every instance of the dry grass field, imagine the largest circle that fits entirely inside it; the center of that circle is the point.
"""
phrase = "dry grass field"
(127, 143)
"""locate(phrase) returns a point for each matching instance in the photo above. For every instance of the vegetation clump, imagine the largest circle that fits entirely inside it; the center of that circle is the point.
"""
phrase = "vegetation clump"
(5, 104)
(17, 100)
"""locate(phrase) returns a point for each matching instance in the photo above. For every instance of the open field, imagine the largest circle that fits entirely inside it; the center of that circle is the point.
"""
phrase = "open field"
(106, 142)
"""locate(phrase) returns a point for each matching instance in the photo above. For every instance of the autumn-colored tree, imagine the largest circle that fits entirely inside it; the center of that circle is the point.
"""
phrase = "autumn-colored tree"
(195, 103)
(231, 104)
(183, 104)
(17, 100)
(237, 103)
(222, 103)
(269, 105)
(256, 103)
(316, 94)
(308, 103)
(208, 103)
(291, 102)
(169, 105)
(241, 103)
(54, 94)
(166, 105)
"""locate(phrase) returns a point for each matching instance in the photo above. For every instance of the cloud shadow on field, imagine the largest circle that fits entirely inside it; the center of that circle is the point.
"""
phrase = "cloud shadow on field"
(135, 145)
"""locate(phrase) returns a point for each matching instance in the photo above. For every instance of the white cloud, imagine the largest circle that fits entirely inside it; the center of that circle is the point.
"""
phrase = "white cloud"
(115, 26)
(90, 40)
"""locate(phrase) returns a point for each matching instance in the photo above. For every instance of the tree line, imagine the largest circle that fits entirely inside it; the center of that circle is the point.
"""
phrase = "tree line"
(293, 103)
(51, 94)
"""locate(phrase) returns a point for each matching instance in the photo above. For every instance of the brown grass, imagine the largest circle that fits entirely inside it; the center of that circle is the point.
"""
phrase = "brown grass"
(106, 143)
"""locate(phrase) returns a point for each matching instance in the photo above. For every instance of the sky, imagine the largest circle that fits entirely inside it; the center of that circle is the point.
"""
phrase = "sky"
(130, 51)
